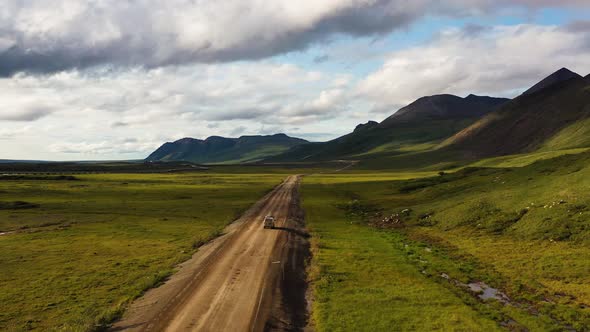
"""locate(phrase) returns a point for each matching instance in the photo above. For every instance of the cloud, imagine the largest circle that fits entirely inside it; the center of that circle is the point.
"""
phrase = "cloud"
(47, 36)
(27, 114)
(10, 133)
(91, 109)
(20, 107)
(321, 58)
(262, 92)
(110, 147)
(578, 26)
(237, 131)
(328, 102)
(497, 61)
(237, 114)
(119, 124)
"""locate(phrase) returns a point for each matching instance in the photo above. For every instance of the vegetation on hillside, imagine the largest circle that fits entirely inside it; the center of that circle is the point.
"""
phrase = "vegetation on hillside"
(420, 125)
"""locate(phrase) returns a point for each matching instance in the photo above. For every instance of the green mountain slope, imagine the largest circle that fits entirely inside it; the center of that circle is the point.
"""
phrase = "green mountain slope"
(576, 135)
(552, 116)
(217, 149)
(418, 126)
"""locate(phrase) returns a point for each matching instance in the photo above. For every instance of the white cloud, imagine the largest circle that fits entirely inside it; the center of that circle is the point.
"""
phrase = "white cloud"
(99, 149)
(499, 61)
(14, 132)
(29, 112)
(88, 111)
(23, 105)
(49, 36)
(93, 109)
(85, 73)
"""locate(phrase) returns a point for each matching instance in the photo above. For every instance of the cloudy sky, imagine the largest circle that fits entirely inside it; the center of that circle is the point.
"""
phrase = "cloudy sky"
(113, 79)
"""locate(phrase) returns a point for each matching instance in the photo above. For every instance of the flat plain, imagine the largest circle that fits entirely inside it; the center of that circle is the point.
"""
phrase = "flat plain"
(500, 247)
(77, 251)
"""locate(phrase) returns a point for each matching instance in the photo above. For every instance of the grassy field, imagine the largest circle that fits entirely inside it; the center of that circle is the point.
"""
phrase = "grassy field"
(393, 249)
(524, 159)
(77, 251)
(361, 282)
(523, 231)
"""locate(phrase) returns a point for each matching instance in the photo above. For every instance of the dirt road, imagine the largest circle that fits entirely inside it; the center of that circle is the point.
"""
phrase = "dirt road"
(250, 279)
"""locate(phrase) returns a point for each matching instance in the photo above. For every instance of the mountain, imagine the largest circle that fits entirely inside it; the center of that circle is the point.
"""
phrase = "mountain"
(217, 149)
(420, 125)
(561, 75)
(553, 114)
(443, 107)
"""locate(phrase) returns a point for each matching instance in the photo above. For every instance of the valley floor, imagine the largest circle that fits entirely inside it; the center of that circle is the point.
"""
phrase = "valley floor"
(473, 249)
(476, 250)
(78, 251)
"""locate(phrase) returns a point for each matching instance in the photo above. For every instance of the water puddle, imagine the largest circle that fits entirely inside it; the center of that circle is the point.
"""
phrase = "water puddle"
(483, 290)
(486, 292)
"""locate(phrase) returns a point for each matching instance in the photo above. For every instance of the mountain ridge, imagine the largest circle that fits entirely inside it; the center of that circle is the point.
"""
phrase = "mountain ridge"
(218, 149)
(550, 114)
(428, 119)
(560, 75)
(444, 106)
(527, 122)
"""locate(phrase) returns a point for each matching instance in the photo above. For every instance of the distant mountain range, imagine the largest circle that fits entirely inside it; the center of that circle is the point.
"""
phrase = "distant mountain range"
(217, 149)
(552, 114)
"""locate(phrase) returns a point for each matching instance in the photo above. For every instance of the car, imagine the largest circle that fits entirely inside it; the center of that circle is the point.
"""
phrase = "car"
(269, 222)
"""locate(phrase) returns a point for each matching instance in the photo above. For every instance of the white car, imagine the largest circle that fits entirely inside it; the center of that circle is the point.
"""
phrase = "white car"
(269, 222)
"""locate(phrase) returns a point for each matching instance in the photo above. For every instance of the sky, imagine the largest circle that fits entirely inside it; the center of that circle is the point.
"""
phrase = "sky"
(114, 79)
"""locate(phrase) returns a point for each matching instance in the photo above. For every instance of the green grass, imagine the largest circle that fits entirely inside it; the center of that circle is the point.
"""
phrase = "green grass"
(432, 160)
(525, 159)
(523, 230)
(546, 200)
(573, 136)
(94, 244)
(380, 143)
(362, 282)
(85, 248)
(252, 156)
